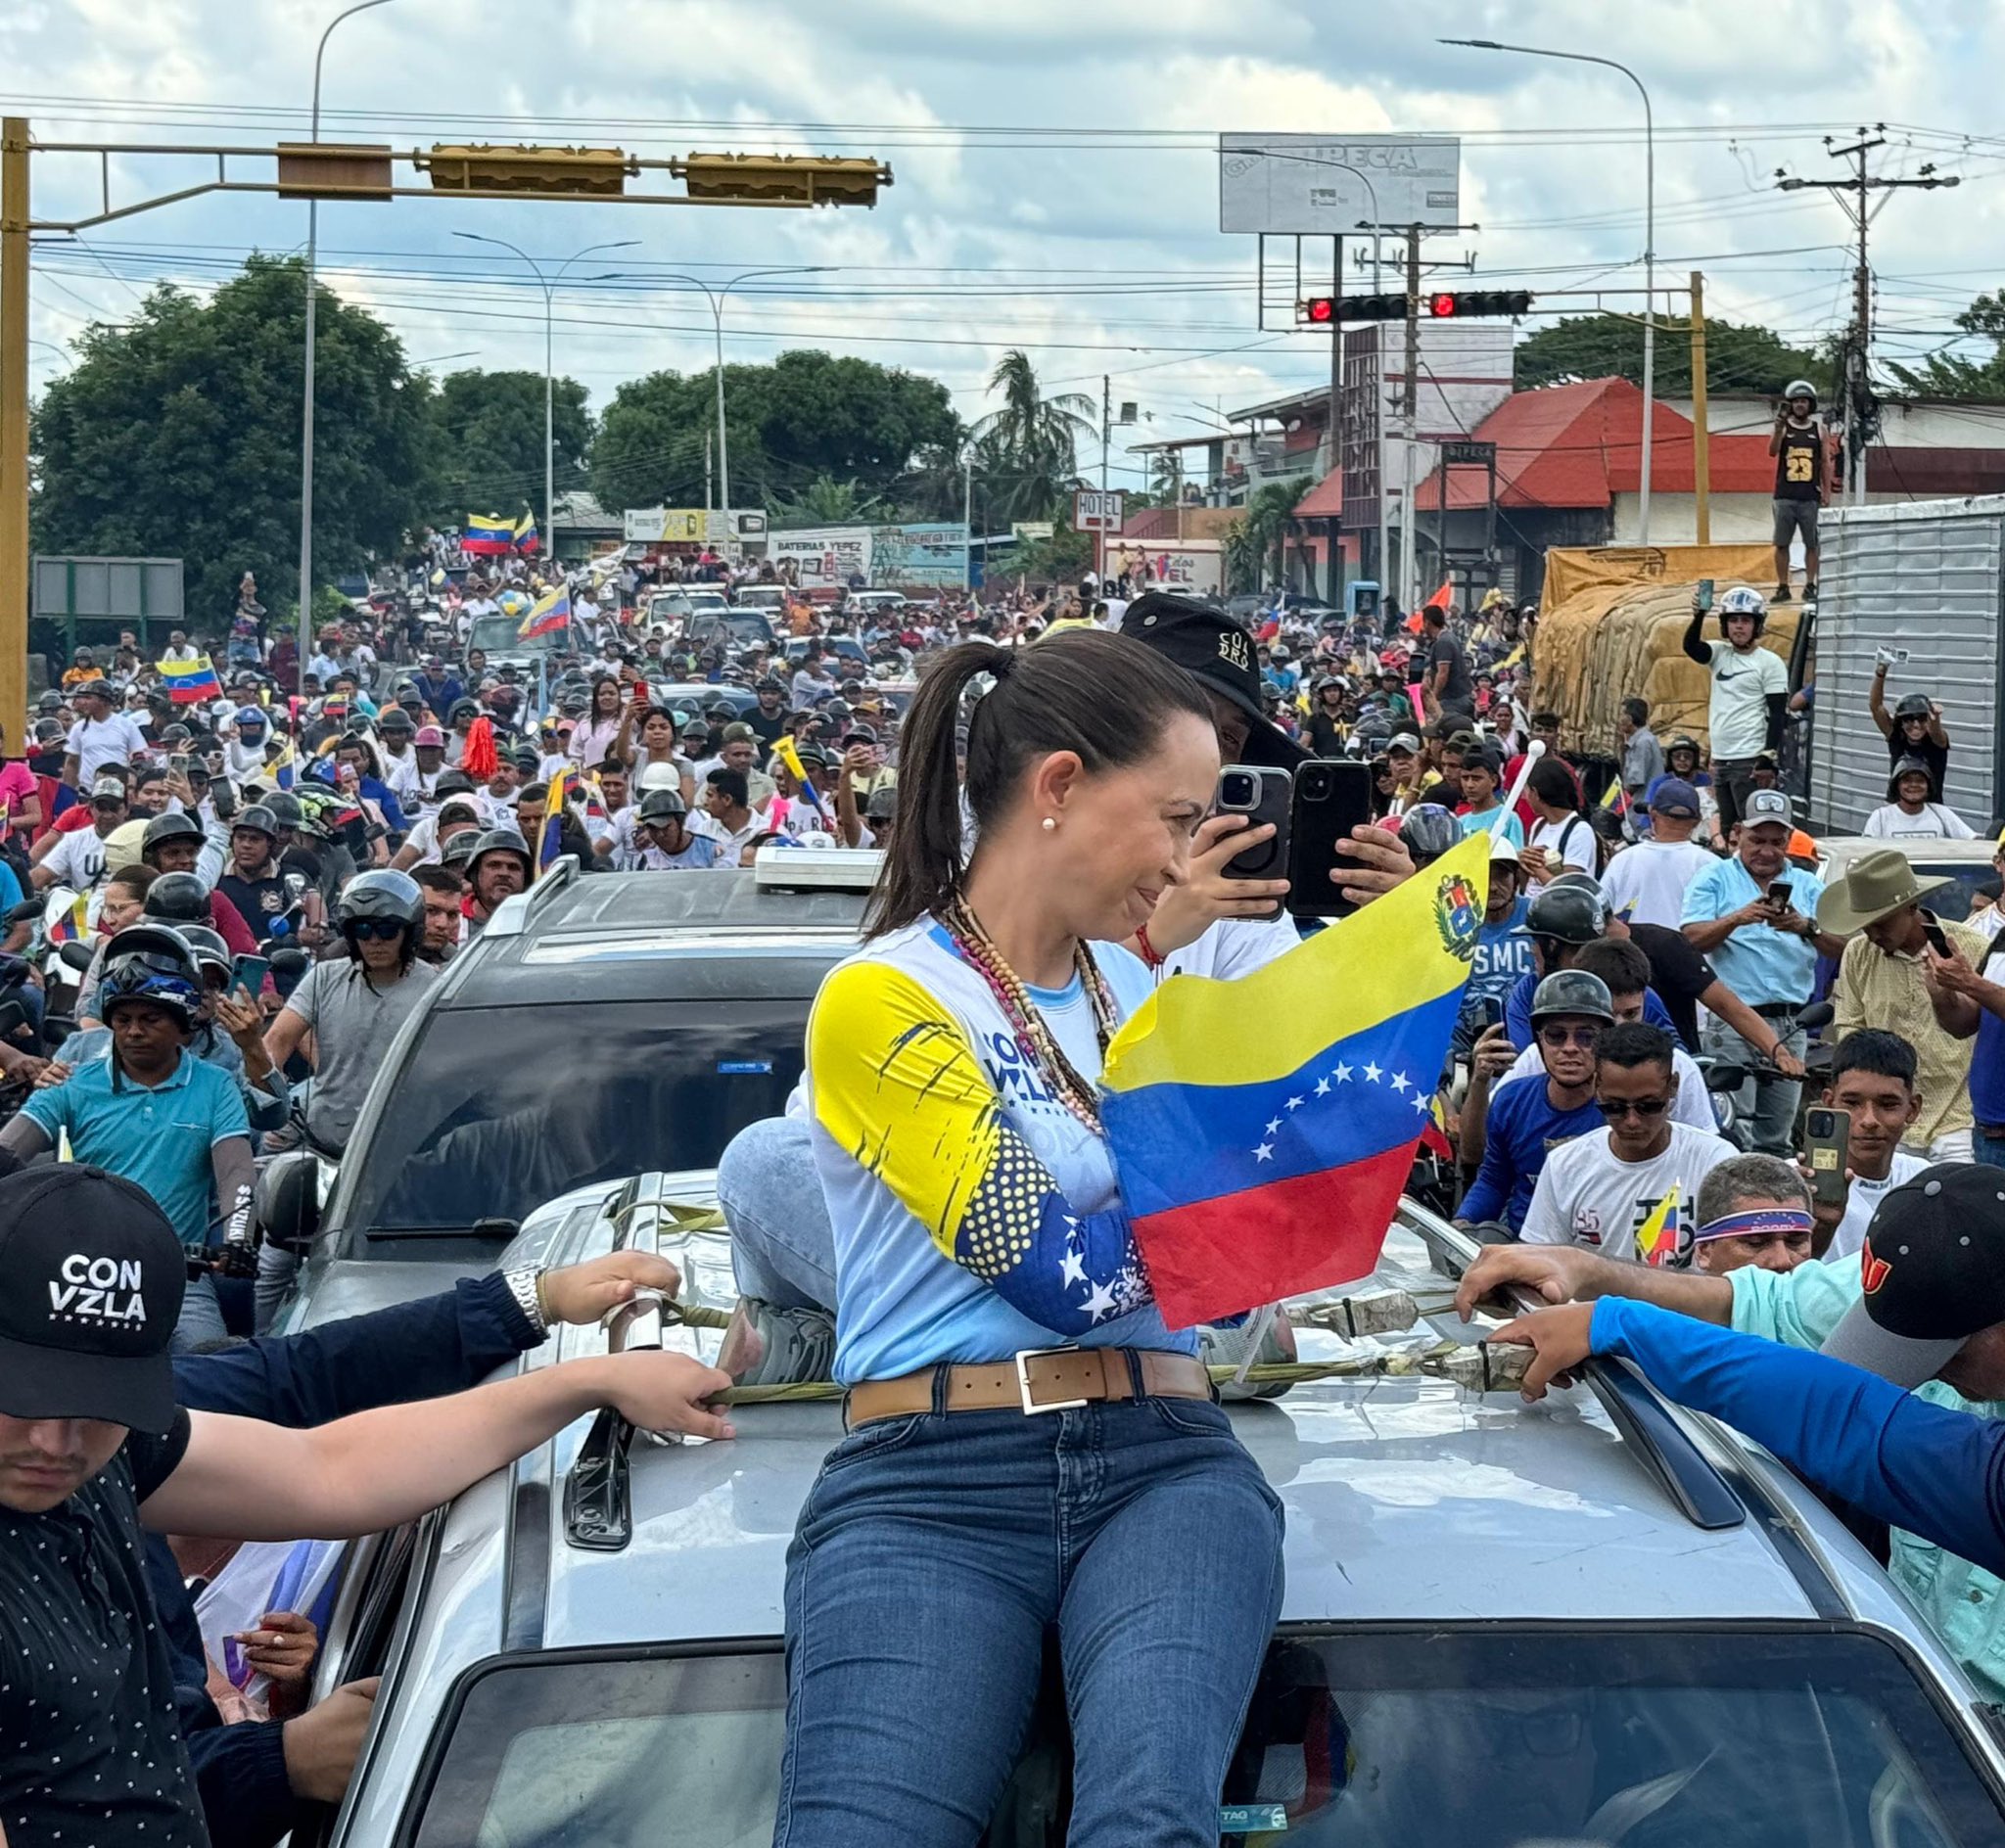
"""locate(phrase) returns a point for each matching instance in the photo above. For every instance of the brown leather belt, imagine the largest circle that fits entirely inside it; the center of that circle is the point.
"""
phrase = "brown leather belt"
(1038, 1379)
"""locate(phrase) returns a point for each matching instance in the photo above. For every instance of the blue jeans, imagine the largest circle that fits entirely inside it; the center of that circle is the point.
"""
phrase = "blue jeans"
(1987, 1150)
(782, 1245)
(201, 1323)
(933, 1554)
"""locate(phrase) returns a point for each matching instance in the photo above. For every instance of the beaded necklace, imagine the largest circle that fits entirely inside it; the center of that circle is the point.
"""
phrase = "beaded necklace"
(1034, 1039)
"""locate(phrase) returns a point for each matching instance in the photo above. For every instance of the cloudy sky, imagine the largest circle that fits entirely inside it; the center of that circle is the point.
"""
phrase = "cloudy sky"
(1056, 172)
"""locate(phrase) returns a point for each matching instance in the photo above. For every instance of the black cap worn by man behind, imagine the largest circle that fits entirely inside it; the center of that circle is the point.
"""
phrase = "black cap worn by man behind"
(1206, 642)
(1932, 1267)
(90, 1743)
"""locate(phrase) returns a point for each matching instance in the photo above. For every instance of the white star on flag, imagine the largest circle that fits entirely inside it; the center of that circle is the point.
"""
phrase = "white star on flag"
(1343, 1074)
(1399, 1081)
(1421, 1101)
(1264, 1153)
(1100, 1303)
(1294, 1103)
(1372, 1073)
(1072, 1269)
(1323, 1087)
(1274, 1127)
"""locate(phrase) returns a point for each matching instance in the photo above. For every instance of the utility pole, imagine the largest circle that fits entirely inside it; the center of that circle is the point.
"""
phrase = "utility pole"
(1702, 439)
(708, 502)
(1854, 197)
(15, 147)
(1409, 420)
(1334, 571)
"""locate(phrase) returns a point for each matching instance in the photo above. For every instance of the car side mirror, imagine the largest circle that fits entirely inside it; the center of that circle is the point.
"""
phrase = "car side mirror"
(288, 1200)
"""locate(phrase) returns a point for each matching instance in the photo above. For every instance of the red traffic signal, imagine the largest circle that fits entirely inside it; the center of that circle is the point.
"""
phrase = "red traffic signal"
(1445, 304)
(1442, 307)
(1321, 310)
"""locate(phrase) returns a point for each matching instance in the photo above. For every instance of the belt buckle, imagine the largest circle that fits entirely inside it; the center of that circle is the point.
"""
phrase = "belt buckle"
(1031, 1408)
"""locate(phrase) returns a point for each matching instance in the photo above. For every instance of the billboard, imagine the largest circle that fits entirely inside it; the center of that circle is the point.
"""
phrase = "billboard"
(692, 526)
(1097, 510)
(824, 557)
(1328, 184)
(933, 555)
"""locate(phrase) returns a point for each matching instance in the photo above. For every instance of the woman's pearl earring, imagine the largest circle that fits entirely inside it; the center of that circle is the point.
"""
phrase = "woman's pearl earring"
(1051, 825)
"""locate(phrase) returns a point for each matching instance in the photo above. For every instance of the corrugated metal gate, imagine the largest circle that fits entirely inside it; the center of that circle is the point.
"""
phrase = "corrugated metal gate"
(1925, 577)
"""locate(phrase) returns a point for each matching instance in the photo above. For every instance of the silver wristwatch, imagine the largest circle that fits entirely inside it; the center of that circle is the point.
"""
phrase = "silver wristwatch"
(521, 1285)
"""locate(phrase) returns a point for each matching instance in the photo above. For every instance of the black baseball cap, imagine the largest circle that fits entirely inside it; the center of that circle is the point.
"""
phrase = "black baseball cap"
(94, 1283)
(1932, 1267)
(1207, 643)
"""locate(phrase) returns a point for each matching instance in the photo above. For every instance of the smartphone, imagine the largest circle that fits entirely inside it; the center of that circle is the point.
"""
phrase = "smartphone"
(640, 692)
(1779, 895)
(177, 761)
(1330, 797)
(1939, 939)
(1825, 1136)
(1261, 794)
(249, 973)
(1705, 593)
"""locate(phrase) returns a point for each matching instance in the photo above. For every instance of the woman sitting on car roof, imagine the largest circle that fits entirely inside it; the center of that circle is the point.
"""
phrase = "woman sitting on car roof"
(952, 1070)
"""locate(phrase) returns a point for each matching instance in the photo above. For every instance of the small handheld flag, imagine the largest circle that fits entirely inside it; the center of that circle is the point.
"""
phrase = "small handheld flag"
(551, 845)
(789, 753)
(188, 681)
(1258, 1165)
(525, 540)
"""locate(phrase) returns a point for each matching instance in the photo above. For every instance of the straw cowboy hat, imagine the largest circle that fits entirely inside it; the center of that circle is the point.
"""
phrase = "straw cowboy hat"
(1876, 885)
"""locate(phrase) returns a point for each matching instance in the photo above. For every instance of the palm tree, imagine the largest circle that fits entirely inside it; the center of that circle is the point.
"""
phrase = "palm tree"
(1255, 540)
(1028, 451)
(826, 502)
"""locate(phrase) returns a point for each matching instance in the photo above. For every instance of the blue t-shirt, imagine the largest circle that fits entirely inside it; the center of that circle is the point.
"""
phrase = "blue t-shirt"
(1476, 821)
(1764, 967)
(1517, 1012)
(1987, 1058)
(1503, 955)
(157, 1138)
(1520, 1130)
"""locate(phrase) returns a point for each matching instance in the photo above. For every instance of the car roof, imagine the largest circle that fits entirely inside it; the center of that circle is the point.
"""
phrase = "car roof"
(1844, 848)
(617, 937)
(1407, 1498)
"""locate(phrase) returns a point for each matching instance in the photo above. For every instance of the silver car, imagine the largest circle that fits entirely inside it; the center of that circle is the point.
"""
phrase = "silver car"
(1596, 1620)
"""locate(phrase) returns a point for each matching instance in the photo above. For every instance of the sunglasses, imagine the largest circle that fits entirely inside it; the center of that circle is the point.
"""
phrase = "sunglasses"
(377, 929)
(1632, 1106)
(1583, 1037)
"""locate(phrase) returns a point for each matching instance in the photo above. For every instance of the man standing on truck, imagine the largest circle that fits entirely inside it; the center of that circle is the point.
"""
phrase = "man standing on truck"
(1749, 700)
(1801, 470)
(1914, 728)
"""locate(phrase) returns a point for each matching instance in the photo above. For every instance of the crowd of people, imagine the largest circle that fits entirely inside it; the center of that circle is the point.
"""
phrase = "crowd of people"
(261, 883)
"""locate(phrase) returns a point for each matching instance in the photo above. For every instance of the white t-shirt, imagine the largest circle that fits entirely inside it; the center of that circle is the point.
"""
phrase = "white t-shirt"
(78, 861)
(1691, 1105)
(96, 742)
(1862, 1201)
(1891, 823)
(1233, 947)
(1571, 840)
(1646, 883)
(1587, 1196)
(1736, 715)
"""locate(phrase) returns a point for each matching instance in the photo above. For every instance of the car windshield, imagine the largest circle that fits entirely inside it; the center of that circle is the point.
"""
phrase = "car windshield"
(501, 1109)
(497, 634)
(1607, 1737)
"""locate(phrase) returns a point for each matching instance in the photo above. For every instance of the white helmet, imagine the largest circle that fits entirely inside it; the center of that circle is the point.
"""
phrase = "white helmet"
(1744, 600)
(1800, 388)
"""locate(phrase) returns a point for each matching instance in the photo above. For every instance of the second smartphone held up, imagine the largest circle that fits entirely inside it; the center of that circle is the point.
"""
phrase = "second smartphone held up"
(1332, 797)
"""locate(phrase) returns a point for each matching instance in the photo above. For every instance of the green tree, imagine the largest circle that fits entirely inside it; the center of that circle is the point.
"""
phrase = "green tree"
(177, 434)
(1062, 559)
(933, 487)
(1956, 375)
(1027, 450)
(828, 502)
(804, 416)
(1256, 543)
(490, 432)
(1738, 357)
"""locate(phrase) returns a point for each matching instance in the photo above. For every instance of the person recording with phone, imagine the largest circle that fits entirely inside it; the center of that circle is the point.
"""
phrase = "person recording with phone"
(1851, 1161)
(1914, 728)
(1755, 918)
(1892, 977)
(1802, 474)
(1748, 707)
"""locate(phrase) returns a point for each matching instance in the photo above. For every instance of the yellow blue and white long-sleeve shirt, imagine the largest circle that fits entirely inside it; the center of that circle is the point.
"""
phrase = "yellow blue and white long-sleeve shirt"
(974, 1213)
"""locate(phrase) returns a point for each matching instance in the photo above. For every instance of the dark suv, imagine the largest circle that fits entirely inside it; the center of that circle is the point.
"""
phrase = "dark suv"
(601, 1027)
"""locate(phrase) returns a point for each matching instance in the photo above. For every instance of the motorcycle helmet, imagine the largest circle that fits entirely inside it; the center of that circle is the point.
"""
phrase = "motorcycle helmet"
(383, 893)
(1800, 388)
(211, 955)
(164, 828)
(283, 808)
(500, 841)
(151, 963)
(458, 851)
(1744, 600)
(258, 818)
(178, 897)
(1572, 992)
(1428, 831)
(1684, 743)
(1568, 913)
(1914, 706)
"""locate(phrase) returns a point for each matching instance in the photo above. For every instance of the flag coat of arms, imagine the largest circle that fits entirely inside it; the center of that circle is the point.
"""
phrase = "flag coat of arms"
(1263, 1128)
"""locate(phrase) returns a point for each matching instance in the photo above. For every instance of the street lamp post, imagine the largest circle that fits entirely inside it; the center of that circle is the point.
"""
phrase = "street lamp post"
(715, 298)
(306, 400)
(548, 285)
(1649, 244)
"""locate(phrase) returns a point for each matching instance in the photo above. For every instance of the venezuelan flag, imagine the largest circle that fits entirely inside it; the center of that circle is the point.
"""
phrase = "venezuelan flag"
(1263, 1128)
(486, 534)
(551, 845)
(73, 925)
(285, 768)
(525, 539)
(187, 681)
(552, 613)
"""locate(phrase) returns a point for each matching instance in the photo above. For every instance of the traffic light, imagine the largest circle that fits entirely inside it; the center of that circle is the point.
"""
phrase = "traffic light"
(594, 171)
(1439, 305)
(801, 180)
